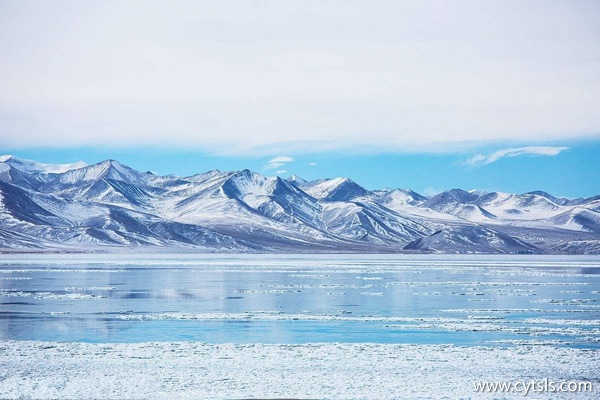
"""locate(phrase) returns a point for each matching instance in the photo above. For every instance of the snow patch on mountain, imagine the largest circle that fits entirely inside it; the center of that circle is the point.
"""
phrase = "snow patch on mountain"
(34, 166)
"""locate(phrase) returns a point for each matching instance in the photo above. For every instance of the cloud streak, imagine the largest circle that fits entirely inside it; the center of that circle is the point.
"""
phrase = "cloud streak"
(479, 160)
(277, 162)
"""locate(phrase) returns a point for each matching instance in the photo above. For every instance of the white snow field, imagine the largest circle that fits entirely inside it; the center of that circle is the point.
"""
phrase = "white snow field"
(155, 370)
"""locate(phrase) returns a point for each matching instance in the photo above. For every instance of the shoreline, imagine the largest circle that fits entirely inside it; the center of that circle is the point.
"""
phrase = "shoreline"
(41, 369)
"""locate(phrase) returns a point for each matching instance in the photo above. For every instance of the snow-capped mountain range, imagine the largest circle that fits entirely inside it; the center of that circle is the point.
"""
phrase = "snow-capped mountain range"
(110, 205)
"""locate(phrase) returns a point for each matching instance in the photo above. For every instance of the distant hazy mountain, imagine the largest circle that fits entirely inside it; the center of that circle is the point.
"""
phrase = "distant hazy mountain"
(105, 205)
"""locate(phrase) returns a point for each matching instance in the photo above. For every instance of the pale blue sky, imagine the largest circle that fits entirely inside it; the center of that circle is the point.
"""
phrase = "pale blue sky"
(424, 94)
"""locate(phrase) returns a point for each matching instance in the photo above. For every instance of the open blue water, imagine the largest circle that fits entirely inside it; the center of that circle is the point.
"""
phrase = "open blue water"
(466, 300)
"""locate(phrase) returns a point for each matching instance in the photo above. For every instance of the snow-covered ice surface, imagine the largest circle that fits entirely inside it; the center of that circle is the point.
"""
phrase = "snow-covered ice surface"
(321, 326)
(336, 370)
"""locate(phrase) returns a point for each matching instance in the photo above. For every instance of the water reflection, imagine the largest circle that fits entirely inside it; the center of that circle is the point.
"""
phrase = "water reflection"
(401, 299)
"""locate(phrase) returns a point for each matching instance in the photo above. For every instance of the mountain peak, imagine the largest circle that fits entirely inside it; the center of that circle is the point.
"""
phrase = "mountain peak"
(34, 166)
(337, 189)
(400, 197)
(246, 174)
(539, 193)
(546, 195)
(296, 180)
(107, 169)
(113, 163)
(460, 195)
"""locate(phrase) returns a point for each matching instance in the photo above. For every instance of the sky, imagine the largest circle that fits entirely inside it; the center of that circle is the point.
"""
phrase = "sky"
(427, 95)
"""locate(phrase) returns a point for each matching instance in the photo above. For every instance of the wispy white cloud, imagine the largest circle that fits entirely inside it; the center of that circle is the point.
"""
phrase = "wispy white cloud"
(281, 171)
(312, 164)
(484, 159)
(277, 162)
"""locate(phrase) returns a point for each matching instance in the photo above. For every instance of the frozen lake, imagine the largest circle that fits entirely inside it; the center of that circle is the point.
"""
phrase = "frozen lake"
(292, 299)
